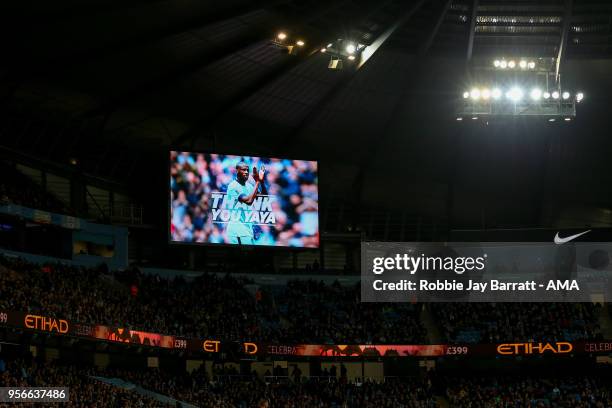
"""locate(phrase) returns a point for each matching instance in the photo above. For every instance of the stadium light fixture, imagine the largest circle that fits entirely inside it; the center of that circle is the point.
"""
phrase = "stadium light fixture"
(531, 65)
(523, 64)
(536, 94)
(511, 64)
(515, 94)
(475, 118)
(551, 119)
(281, 36)
(299, 43)
(475, 94)
(555, 95)
(459, 119)
(351, 57)
(546, 95)
(496, 63)
(485, 93)
(566, 95)
(496, 93)
(351, 48)
(568, 119)
(323, 49)
(579, 97)
(466, 95)
(503, 64)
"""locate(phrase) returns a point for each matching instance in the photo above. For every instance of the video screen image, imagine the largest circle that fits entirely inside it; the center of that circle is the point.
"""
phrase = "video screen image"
(243, 200)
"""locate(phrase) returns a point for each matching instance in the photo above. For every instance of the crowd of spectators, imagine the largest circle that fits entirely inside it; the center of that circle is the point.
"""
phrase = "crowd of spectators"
(494, 322)
(17, 188)
(84, 391)
(528, 392)
(300, 312)
(304, 311)
(209, 306)
(334, 313)
(226, 392)
(432, 390)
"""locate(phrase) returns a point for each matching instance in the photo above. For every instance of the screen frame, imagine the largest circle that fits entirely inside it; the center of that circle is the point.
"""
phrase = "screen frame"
(171, 242)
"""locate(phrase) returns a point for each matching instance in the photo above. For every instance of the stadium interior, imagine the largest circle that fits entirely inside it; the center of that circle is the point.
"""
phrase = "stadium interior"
(187, 188)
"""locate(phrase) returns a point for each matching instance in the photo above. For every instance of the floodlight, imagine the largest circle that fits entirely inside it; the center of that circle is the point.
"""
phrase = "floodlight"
(503, 64)
(281, 36)
(555, 95)
(511, 64)
(566, 95)
(546, 95)
(496, 93)
(466, 95)
(475, 94)
(531, 65)
(351, 48)
(515, 94)
(300, 43)
(579, 97)
(536, 94)
(523, 64)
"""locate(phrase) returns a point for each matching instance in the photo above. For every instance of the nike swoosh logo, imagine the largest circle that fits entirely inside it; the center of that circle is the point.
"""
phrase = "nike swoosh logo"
(559, 240)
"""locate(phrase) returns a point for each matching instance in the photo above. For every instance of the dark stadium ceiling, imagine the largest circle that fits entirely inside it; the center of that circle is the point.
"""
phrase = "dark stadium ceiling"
(107, 81)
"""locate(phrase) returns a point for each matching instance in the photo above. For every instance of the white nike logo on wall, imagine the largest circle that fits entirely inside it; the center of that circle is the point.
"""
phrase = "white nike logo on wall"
(559, 240)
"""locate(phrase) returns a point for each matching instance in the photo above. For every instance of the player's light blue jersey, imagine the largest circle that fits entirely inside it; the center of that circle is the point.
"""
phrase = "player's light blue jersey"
(236, 227)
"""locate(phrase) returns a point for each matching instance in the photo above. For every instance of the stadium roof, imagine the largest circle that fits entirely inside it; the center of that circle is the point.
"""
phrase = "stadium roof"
(110, 81)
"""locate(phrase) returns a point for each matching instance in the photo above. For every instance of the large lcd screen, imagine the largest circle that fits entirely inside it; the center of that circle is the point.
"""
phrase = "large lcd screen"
(243, 200)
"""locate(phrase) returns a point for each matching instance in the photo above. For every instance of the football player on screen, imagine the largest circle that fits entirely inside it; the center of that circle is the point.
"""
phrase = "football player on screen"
(244, 191)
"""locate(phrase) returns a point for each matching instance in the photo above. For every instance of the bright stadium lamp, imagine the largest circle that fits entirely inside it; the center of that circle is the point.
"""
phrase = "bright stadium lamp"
(511, 64)
(300, 43)
(351, 48)
(486, 93)
(531, 65)
(281, 36)
(579, 97)
(566, 95)
(555, 95)
(351, 57)
(523, 64)
(536, 94)
(496, 63)
(466, 95)
(496, 93)
(503, 64)
(515, 94)
(546, 95)
(475, 94)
